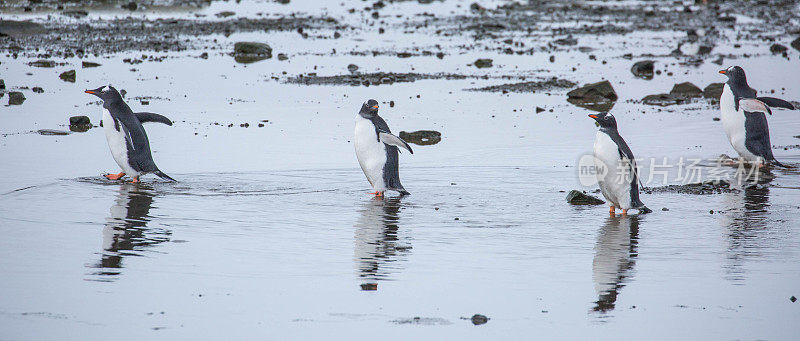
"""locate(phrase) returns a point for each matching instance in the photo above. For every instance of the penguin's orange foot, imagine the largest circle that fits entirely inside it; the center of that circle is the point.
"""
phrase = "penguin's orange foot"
(612, 210)
(377, 194)
(624, 212)
(114, 176)
(135, 180)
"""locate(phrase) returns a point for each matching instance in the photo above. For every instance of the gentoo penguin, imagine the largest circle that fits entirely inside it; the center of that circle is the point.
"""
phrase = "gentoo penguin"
(376, 149)
(620, 180)
(744, 117)
(126, 136)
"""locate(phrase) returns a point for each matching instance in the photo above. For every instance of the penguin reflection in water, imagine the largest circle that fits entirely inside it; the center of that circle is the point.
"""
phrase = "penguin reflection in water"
(744, 118)
(619, 182)
(614, 259)
(377, 150)
(126, 136)
(126, 232)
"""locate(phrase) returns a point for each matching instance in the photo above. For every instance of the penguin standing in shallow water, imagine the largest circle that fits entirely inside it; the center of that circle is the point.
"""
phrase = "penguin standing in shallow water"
(377, 150)
(126, 136)
(619, 183)
(744, 117)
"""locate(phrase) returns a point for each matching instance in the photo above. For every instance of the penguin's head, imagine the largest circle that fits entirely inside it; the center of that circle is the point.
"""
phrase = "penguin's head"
(735, 74)
(107, 94)
(369, 109)
(604, 120)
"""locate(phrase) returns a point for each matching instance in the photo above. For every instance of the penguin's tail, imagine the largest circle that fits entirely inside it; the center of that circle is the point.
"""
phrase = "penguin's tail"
(403, 191)
(164, 176)
(644, 210)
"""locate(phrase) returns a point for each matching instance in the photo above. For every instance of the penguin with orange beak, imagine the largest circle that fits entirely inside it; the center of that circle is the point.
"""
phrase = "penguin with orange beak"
(377, 150)
(619, 178)
(126, 136)
(744, 118)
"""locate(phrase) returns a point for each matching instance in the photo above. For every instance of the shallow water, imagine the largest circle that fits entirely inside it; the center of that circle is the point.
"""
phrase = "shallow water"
(270, 232)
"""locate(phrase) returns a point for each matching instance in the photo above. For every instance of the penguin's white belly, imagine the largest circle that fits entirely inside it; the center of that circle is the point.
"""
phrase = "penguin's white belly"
(615, 181)
(370, 152)
(733, 123)
(117, 143)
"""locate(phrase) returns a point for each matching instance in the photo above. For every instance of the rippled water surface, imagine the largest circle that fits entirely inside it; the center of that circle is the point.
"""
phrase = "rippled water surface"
(270, 232)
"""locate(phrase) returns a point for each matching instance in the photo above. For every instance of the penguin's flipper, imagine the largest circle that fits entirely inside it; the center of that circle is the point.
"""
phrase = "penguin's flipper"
(127, 133)
(392, 140)
(754, 105)
(164, 176)
(776, 102)
(152, 117)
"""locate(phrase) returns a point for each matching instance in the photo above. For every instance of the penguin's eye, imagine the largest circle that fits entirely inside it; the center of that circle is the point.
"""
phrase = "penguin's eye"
(605, 118)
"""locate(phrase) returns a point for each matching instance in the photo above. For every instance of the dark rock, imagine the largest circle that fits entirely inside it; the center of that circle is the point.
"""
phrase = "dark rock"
(686, 90)
(569, 41)
(793, 299)
(352, 67)
(643, 69)
(43, 63)
(37, 89)
(532, 86)
(661, 100)
(52, 132)
(576, 197)
(225, 14)
(796, 44)
(375, 78)
(249, 52)
(664, 209)
(598, 96)
(483, 63)
(77, 14)
(19, 29)
(715, 119)
(204, 55)
(422, 137)
(131, 6)
(2, 84)
(282, 56)
(700, 188)
(777, 49)
(479, 319)
(403, 55)
(475, 7)
(369, 286)
(85, 64)
(713, 90)
(704, 49)
(79, 120)
(539, 109)
(440, 55)
(15, 98)
(68, 76)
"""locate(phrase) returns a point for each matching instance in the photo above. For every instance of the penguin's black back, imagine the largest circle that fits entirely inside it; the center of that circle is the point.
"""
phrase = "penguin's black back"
(391, 170)
(626, 152)
(756, 138)
(139, 155)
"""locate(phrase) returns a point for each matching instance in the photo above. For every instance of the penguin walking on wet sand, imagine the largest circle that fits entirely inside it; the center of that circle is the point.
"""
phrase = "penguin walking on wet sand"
(619, 182)
(377, 150)
(744, 118)
(126, 136)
